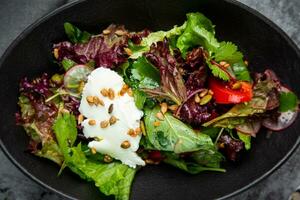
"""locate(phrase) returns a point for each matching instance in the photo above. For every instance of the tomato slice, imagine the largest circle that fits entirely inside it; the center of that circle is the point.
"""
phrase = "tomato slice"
(224, 94)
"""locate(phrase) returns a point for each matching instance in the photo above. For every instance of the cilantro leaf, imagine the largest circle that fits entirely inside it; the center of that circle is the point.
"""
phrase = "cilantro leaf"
(288, 101)
(218, 72)
(228, 52)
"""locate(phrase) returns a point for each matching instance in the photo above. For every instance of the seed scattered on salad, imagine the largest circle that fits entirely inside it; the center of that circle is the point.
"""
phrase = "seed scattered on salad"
(163, 107)
(159, 116)
(138, 131)
(80, 118)
(203, 93)
(236, 86)
(131, 132)
(128, 51)
(90, 100)
(222, 63)
(197, 98)
(126, 144)
(107, 159)
(129, 92)
(110, 108)
(111, 94)
(92, 122)
(104, 92)
(104, 124)
(156, 123)
(205, 99)
(55, 53)
(227, 65)
(120, 32)
(106, 32)
(112, 120)
(93, 150)
(98, 101)
(246, 62)
(173, 107)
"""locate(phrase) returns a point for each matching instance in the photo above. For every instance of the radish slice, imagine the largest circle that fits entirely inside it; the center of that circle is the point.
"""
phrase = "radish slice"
(74, 76)
(250, 128)
(284, 120)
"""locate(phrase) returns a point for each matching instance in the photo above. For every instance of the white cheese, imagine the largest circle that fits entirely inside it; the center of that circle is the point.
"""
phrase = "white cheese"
(124, 109)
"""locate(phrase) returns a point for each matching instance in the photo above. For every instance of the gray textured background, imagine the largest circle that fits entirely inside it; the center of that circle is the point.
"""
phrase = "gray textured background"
(15, 15)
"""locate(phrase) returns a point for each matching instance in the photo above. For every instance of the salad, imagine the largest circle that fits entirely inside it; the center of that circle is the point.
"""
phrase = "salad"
(121, 100)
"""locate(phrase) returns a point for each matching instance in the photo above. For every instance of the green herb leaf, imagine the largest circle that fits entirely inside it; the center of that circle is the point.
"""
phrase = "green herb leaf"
(228, 52)
(246, 139)
(218, 72)
(76, 35)
(288, 101)
(172, 134)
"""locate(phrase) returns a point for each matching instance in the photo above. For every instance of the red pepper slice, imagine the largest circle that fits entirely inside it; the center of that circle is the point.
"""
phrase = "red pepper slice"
(224, 94)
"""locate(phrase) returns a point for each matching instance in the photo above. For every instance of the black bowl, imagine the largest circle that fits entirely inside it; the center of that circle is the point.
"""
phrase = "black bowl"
(262, 42)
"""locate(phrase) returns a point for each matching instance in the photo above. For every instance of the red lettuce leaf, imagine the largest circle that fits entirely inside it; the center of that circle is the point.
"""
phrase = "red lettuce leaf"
(172, 84)
(107, 50)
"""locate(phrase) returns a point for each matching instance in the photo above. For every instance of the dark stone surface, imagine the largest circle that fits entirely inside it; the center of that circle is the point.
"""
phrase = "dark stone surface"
(15, 15)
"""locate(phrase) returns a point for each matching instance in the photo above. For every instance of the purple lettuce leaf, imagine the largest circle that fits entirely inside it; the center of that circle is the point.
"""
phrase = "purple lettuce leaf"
(107, 50)
(232, 148)
(172, 84)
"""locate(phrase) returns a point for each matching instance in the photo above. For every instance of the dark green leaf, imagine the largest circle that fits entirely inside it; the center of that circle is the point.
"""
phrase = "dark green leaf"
(142, 70)
(212, 132)
(75, 35)
(190, 166)
(288, 101)
(139, 98)
(172, 134)
(241, 71)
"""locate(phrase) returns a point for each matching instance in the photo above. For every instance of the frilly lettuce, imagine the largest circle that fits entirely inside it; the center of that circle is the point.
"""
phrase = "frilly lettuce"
(112, 179)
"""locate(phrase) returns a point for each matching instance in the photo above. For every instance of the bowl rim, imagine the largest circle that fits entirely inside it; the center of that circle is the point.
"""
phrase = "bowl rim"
(44, 18)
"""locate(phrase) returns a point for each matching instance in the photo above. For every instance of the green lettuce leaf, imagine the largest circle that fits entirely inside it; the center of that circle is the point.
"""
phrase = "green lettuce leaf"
(112, 179)
(154, 37)
(246, 139)
(199, 31)
(172, 134)
(193, 166)
(145, 73)
(49, 148)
